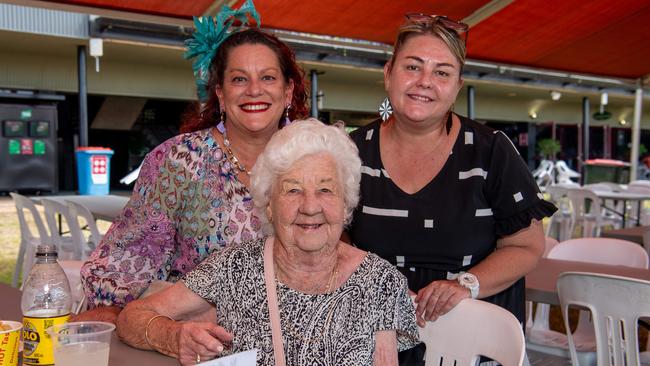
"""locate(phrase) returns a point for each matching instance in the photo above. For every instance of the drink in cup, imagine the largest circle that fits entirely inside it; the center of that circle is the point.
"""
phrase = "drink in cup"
(9, 340)
(81, 343)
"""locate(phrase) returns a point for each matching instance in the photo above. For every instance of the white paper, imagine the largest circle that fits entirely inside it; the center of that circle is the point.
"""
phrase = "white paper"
(246, 358)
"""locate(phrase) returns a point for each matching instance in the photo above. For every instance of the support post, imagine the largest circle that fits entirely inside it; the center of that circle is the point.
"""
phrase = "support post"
(314, 93)
(83, 96)
(636, 131)
(470, 101)
(585, 138)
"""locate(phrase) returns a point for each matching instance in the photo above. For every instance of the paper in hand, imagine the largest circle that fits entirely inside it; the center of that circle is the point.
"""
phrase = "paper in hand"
(246, 358)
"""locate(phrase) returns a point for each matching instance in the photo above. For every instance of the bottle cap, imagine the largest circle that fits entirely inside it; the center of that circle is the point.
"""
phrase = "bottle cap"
(46, 250)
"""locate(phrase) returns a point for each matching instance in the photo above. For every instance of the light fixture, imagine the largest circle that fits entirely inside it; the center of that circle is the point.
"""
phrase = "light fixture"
(555, 95)
(96, 50)
(603, 99)
(532, 115)
(602, 114)
(622, 121)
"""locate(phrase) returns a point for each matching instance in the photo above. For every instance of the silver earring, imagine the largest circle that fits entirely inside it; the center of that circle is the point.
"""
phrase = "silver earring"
(385, 109)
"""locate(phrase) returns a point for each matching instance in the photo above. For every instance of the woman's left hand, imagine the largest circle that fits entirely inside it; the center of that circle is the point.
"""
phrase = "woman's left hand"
(437, 298)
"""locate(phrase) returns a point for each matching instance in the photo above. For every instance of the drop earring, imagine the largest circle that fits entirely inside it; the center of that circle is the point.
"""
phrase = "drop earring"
(286, 121)
(385, 109)
(221, 127)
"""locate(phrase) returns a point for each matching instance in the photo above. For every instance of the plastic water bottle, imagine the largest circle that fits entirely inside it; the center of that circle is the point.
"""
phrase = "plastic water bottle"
(46, 302)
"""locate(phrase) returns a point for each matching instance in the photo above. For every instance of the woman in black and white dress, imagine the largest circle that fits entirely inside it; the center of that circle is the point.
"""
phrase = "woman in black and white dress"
(447, 200)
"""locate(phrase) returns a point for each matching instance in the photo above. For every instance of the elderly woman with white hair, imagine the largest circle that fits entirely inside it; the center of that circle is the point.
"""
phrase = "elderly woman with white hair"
(300, 295)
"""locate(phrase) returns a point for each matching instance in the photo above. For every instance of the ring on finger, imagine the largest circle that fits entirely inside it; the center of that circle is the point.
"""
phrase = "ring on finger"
(198, 359)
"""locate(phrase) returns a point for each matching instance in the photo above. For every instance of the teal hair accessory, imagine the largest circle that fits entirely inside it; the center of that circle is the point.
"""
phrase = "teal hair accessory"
(209, 35)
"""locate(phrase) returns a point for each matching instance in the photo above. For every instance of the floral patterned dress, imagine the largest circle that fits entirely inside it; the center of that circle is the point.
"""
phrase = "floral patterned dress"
(186, 204)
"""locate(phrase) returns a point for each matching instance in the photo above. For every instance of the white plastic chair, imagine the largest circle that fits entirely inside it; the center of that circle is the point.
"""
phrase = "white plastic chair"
(588, 212)
(544, 175)
(72, 270)
(616, 304)
(472, 329)
(549, 243)
(642, 183)
(86, 219)
(633, 208)
(69, 247)
(564, 173)
(562, 220)
(28, 241)
(132, 176)
(594, 250)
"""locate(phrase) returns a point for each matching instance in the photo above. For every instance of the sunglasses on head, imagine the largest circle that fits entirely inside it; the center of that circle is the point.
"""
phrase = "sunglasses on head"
(425, 20)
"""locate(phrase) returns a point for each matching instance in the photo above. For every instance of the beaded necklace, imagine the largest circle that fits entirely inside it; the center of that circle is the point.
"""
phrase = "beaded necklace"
(229, 153)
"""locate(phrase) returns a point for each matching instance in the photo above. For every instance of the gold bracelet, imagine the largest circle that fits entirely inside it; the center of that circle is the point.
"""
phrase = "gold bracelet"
(146, 329)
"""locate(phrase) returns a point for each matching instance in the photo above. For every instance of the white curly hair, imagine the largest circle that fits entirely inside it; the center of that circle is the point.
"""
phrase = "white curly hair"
(295, 141)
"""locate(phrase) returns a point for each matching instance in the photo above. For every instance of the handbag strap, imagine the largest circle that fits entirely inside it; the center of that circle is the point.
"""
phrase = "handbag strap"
(272, 299)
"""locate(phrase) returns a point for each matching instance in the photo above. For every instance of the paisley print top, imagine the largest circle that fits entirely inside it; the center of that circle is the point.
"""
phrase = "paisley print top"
(186, 204)
(338, 328)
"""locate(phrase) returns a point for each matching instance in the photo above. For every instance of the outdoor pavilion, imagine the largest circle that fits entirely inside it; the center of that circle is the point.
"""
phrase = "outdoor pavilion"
(595, 45)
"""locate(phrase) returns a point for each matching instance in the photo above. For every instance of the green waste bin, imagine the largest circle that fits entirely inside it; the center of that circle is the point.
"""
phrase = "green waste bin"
(606, 170)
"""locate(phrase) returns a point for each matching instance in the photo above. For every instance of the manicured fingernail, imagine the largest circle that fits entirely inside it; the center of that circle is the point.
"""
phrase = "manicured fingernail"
(220, 349)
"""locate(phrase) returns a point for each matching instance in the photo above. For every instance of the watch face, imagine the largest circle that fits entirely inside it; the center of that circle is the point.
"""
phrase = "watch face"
(468, 279)
(470, 282)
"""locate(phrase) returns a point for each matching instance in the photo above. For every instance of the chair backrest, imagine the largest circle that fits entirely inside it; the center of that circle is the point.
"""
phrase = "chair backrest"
(25, 204)
(643, 183)
(66, 245)
(472, 329)
(82, 212)
(602, 251)
(544, 175)
(616, 303)
(564, 173)
(586, 205)
(557, 192)
(28, 240)
(599, 187)
(638, 188)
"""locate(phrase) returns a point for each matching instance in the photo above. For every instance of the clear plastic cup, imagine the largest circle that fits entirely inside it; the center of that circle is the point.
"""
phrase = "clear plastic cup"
(81, 343)
(9, 340)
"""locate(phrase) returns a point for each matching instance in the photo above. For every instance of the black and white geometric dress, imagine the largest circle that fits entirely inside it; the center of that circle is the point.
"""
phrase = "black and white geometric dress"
(483, 192)
(337, 328)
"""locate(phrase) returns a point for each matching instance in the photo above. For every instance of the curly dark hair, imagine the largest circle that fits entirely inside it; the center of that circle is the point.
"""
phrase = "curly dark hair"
(199, 117)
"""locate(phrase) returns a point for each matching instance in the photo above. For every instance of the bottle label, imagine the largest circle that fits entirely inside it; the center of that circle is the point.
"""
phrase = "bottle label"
(37, 343)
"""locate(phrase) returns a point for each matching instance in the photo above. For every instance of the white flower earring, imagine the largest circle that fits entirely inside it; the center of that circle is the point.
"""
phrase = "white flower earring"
(385, 109)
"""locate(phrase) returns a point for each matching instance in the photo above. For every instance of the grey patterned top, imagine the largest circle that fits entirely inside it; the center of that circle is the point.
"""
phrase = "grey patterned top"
(330, 329)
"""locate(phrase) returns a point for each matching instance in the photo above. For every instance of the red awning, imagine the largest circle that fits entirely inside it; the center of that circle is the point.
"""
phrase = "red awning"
(602, 37)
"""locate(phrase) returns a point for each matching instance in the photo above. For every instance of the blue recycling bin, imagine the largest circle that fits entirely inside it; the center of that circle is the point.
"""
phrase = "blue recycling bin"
(93, 170)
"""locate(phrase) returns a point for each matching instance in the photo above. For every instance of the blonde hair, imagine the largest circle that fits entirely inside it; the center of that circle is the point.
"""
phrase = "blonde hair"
(449, 37)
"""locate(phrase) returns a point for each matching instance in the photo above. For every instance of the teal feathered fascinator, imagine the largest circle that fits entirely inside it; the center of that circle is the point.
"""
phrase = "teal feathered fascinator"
(210, 32)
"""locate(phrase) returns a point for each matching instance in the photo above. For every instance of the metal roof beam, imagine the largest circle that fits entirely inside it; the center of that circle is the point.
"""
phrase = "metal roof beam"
(485, 11)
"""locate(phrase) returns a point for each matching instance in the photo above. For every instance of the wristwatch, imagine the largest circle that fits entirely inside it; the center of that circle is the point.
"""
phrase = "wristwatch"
(470, 282)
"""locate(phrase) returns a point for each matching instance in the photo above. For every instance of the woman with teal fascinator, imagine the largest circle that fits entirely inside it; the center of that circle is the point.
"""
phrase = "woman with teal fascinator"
(192, 196)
